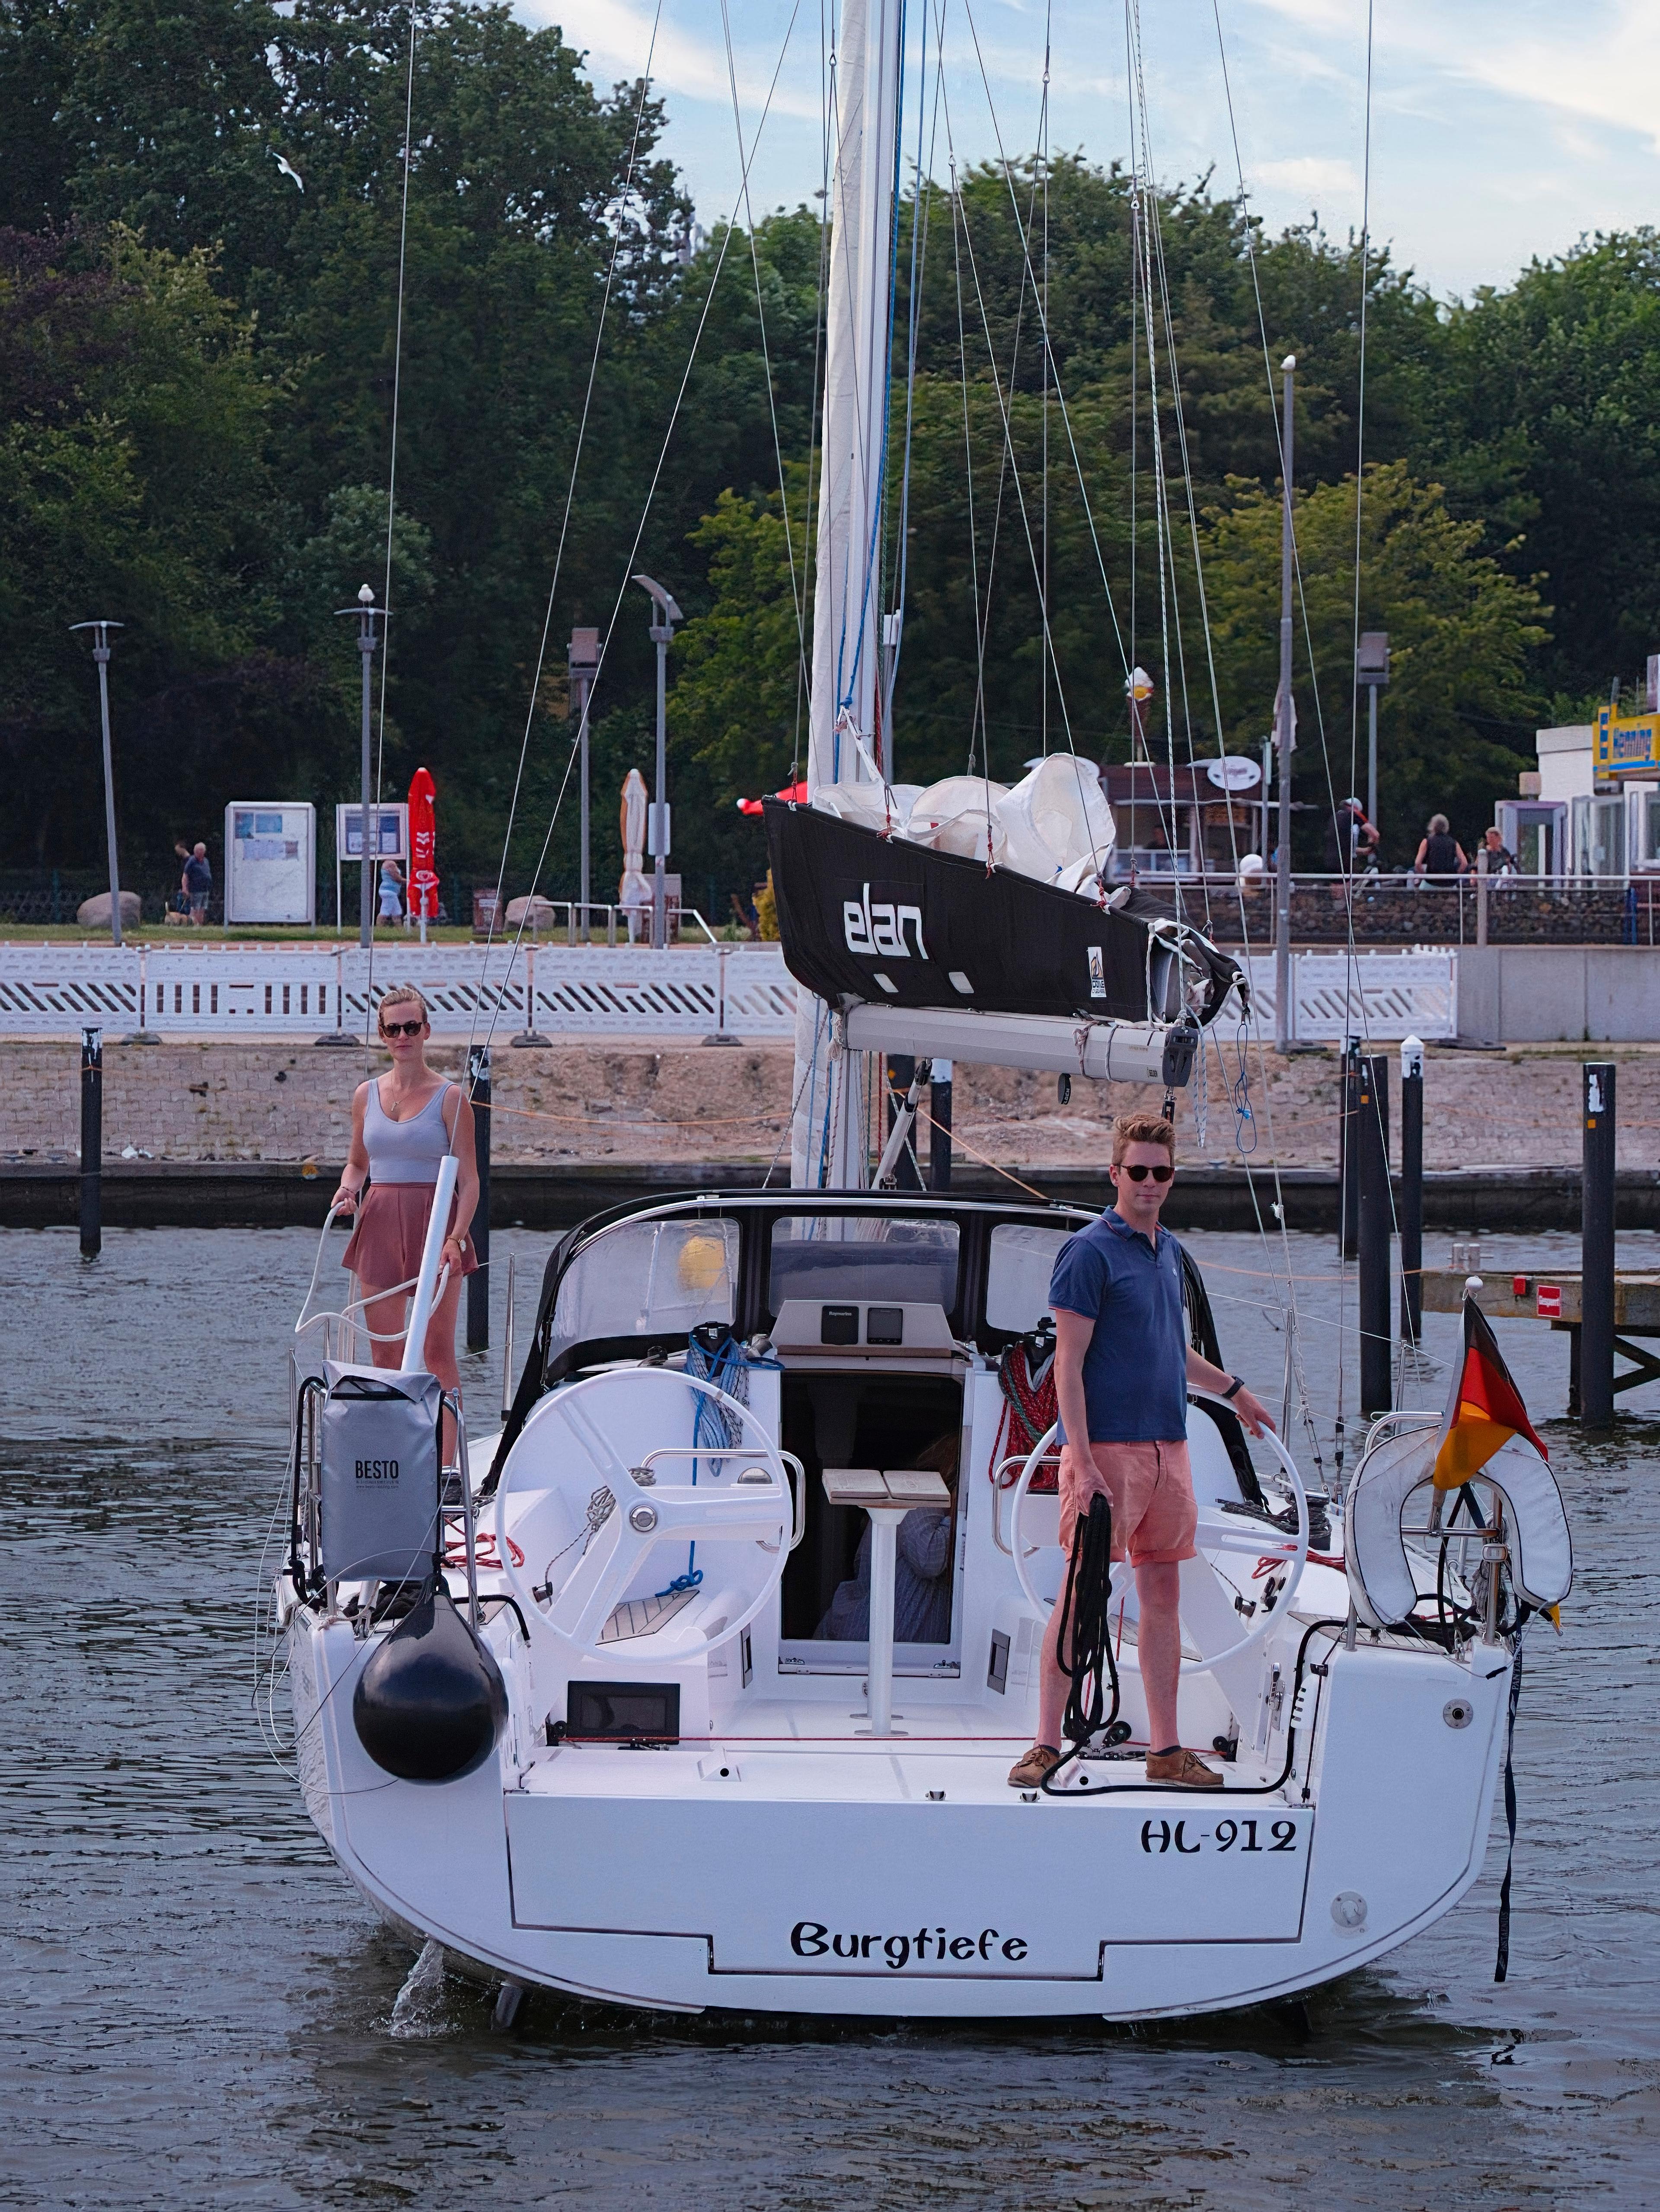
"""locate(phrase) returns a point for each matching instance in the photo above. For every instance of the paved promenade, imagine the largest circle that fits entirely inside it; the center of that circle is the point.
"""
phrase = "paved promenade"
(628, 1101)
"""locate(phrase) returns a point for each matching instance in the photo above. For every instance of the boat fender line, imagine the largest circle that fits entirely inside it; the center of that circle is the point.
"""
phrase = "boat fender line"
(1084, 1608)
(1082, 1795)
(1380, 1576)
(1501, 1965)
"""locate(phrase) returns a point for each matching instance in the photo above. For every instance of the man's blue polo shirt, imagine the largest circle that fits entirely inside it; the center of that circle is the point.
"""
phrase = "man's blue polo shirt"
(1135, 1372)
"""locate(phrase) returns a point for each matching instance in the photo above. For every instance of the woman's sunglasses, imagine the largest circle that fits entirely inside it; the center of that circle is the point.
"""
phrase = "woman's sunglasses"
(1138, 1172)
(402, 1029)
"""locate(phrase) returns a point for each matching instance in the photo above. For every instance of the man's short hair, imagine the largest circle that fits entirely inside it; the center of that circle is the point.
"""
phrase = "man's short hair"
(1141, 1129)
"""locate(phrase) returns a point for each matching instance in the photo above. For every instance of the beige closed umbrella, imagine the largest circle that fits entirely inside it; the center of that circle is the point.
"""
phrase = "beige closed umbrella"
(633, 892)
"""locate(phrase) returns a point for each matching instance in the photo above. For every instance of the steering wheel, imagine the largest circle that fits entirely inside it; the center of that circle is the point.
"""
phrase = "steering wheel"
(1214, 1533)
(632, 1511)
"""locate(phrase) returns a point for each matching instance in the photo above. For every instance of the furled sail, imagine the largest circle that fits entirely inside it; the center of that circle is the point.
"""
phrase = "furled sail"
(884, 922)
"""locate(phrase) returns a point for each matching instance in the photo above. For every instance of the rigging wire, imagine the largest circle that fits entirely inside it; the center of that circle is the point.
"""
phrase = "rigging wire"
(640, 531)
(391, 511)
(618, 236)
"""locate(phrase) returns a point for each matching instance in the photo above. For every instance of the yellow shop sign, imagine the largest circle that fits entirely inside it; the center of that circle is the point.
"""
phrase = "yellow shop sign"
(1627, 743)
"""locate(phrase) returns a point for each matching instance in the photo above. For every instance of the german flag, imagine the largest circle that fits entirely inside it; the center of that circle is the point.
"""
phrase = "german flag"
(1484, 1407)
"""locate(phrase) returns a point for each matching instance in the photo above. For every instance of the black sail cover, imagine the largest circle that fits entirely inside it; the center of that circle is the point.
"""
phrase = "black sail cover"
(879, 920)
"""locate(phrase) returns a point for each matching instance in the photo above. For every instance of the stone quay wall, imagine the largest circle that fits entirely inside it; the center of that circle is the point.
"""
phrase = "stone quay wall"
(631, 1101)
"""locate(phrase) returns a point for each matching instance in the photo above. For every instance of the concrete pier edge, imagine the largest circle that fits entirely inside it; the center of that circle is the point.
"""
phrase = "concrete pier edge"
(255, 1194)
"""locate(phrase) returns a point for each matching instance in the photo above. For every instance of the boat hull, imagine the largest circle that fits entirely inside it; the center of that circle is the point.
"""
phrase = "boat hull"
(906, 1881)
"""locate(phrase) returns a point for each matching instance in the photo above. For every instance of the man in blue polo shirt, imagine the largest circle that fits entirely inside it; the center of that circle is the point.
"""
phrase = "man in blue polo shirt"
(1123, 1365)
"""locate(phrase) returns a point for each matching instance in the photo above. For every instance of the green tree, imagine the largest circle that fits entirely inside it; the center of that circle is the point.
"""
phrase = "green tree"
(1454, 725)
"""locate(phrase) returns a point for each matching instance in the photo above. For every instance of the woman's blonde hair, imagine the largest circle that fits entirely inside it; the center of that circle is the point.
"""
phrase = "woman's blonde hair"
(400, 994)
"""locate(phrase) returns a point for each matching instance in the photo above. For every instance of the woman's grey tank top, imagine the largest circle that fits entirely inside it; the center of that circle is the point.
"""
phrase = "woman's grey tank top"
(405, 1151)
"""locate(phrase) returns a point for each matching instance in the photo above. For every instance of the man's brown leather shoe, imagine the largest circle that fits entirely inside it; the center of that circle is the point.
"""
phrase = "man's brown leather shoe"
(1184, 1768)
(1028, 1771)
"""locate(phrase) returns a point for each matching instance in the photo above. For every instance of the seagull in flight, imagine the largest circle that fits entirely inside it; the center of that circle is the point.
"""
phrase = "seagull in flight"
(287, 166)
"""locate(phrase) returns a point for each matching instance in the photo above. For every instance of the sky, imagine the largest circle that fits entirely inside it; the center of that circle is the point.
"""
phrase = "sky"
(1501, 129)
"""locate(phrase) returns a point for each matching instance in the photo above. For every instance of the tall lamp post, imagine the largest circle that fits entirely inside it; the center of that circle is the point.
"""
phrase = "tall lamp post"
(100, 654)
(1285, 735)
(585, 667)
(1371, 669)
(365, 610)
(662, 631)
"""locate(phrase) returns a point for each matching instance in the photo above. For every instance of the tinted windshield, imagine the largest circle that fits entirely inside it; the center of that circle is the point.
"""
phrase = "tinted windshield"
(1017, 1276)
(648, 1279)
(863, 1256)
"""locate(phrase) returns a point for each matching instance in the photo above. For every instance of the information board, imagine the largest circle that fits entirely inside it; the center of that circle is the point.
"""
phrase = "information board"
(270, 861)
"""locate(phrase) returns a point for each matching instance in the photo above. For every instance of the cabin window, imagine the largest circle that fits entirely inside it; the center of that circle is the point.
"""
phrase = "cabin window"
(864, 1257)
(648, 1279)
(1017, 1275)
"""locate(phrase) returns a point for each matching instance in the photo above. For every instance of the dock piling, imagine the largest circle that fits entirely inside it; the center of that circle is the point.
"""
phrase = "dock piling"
(92, 1142)
(1412, 1189)
(1370, 1127)
(1595, 1391)
(478, 1285)
(939, 1127)
(1348, 1153)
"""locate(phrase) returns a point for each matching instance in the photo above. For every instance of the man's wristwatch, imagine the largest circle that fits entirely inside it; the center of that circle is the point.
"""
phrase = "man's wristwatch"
(1236, 1383)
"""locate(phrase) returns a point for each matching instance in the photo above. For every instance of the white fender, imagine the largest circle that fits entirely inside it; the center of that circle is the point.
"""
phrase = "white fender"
(1380, 1577)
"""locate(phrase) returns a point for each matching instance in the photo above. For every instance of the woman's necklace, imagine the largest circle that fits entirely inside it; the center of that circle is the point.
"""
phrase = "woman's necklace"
(400, 1099)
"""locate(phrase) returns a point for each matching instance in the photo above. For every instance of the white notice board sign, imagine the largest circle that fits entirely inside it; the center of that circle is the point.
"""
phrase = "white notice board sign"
(270, 861)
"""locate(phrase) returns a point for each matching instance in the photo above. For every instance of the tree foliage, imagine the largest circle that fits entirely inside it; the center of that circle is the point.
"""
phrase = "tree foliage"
(204, 217)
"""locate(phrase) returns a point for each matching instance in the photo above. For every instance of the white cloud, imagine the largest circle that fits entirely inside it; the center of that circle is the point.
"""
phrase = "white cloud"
(1500, 128)
(1311, 176)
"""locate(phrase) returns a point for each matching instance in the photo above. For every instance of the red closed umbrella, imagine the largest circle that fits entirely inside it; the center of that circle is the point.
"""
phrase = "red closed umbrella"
(423, 846)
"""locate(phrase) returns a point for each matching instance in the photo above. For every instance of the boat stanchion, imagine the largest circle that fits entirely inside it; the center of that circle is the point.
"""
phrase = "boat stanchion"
(478, 1285)
(1597, 1247)
(1370, 1127)
(92, 1142)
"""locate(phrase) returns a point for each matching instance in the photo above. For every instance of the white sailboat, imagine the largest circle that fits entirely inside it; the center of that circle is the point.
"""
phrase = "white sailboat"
(600, 1720)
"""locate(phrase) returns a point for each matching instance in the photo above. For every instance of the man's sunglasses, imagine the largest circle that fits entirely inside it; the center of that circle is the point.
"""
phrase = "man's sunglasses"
(1138, 1171)
(402, 1029)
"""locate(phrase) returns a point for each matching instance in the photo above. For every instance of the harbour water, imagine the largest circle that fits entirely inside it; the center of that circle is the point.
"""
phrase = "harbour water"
(199, 2010)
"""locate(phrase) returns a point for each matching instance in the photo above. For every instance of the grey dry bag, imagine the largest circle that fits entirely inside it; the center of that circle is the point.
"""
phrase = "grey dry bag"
(380, 1473)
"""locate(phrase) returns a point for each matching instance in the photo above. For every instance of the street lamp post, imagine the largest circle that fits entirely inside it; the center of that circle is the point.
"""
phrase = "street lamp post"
(100, 654)
(1371, 669)
(662, 631)
(1285, 730)
(365, 610)
(585, 667)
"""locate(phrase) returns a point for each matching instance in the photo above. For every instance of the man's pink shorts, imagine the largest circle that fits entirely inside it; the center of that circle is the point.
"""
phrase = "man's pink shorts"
(1149, 1487)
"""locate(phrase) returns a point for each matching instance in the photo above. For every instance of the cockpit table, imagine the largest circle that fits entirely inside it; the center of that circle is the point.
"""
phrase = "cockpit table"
(887, 1495)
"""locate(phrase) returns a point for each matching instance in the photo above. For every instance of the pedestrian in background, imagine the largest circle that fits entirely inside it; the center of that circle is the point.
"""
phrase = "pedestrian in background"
(1440, 856)
(198, 883)
(391, 890)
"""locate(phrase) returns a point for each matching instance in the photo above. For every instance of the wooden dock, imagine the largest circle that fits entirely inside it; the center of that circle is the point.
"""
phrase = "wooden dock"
(1555, 1296)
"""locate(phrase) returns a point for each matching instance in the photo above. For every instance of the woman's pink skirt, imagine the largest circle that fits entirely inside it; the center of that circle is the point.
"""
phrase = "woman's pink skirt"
(384, 1247)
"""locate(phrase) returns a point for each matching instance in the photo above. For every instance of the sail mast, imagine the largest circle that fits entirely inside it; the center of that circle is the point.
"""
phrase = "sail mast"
(828, 1135)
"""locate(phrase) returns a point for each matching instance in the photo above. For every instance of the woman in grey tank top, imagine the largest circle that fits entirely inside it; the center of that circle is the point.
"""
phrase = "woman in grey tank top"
(403, 1123)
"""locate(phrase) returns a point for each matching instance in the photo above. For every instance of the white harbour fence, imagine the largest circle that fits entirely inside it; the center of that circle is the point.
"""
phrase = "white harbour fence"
(308, 991)
(1378, 997)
